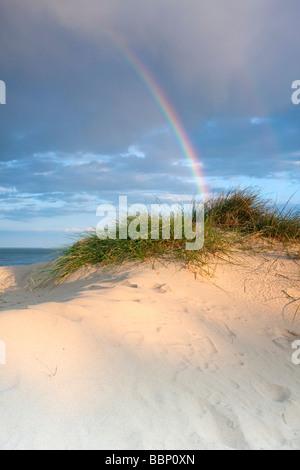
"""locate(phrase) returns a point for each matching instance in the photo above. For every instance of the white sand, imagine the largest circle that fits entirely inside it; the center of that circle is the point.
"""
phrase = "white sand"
(138, 358)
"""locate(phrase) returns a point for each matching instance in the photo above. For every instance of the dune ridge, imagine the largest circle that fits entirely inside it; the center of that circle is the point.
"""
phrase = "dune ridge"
(143, 358)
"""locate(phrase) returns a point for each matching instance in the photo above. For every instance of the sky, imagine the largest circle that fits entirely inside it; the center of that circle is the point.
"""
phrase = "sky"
(82, 126)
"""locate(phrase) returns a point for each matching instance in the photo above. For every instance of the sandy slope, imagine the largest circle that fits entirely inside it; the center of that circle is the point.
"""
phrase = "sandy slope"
(138, 358)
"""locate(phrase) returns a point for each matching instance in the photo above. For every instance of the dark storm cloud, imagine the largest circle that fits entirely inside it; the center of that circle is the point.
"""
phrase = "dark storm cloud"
(70, 88)
(222, 56)
(64, 92)
(226, 66)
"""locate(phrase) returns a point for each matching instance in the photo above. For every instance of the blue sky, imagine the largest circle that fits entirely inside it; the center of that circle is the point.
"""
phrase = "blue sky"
(80, 128)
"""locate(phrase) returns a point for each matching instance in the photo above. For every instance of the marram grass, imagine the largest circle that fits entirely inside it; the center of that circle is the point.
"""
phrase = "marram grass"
(232, 220)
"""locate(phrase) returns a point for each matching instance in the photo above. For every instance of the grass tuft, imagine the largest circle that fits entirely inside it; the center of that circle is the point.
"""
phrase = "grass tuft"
(230, 220)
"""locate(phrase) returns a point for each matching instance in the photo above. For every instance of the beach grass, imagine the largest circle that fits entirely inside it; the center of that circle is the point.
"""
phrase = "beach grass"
(232, 221)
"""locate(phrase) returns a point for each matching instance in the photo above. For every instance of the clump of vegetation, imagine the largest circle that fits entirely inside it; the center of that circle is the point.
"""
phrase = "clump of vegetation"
(230, 220)
(244, 211)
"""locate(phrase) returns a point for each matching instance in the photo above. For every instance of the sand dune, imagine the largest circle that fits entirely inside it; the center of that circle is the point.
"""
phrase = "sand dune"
(142, 358)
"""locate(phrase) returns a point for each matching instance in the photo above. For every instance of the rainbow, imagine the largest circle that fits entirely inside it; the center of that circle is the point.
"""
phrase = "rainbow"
(168, 112)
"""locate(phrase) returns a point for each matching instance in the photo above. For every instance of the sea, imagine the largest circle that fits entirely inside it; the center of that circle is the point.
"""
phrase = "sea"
(25, 256)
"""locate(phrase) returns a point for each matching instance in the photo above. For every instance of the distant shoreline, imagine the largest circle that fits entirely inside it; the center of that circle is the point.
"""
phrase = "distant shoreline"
(25, 256)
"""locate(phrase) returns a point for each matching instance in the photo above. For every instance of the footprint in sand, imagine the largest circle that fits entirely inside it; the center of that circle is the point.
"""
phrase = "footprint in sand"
(240, 356)
(208, 347)
(128, 284)
(273, 392)
(97, 287)
(229, 430)
(292, 418)
(7, 385)
(162, 288)
(283, 342)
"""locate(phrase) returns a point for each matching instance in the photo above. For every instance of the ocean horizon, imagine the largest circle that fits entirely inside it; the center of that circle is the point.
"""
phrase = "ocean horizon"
(26, 256)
